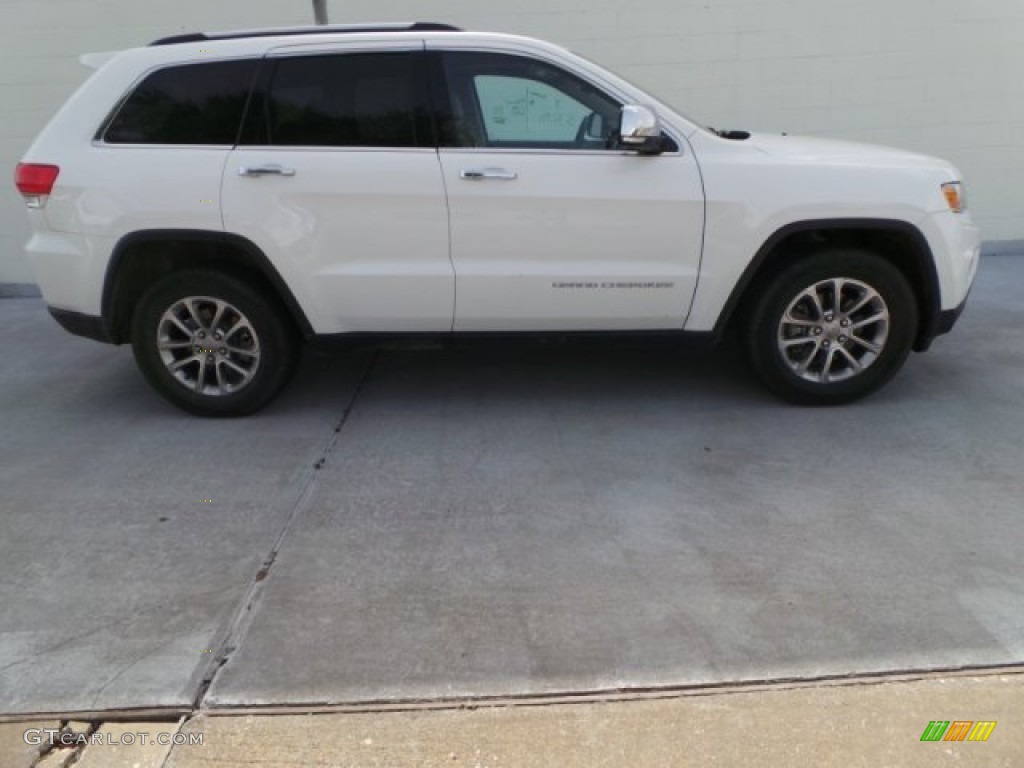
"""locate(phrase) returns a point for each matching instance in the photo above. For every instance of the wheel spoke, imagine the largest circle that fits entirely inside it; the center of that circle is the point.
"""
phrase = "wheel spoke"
(179, 364)
(826, 369)
(837, 296)
(237, 368)
(176, 321)
(168, 344)
(241, 351)
(802, 367)
(218, 315)
(221, 383)
(862, 302)
(201, 376)
(190, 308)
(799, 322)
(239, 325)
(855, 364)
(868, 345)
(812, 294)
(789, 343)
(869, 320)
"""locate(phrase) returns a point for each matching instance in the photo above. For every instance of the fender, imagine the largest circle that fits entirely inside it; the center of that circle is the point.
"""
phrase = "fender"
(919, 259)
(243, 253)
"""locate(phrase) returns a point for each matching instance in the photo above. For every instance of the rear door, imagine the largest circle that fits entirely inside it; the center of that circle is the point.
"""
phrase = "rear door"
(336, 179)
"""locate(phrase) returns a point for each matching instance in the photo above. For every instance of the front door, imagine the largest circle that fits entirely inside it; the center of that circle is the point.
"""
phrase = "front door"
(552, 229)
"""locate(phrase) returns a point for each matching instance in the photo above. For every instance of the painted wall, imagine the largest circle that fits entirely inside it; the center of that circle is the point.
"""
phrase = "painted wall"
(944, 77)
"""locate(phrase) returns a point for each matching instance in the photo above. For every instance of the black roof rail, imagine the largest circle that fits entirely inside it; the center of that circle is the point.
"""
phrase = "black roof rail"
(416, 26)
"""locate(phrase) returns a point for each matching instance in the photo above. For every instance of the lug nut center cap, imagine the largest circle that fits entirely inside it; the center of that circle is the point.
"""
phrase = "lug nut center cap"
(833, 330)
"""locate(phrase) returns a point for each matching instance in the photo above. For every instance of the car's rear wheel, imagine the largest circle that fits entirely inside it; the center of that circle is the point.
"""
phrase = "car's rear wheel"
(212, 345)
(832, 328)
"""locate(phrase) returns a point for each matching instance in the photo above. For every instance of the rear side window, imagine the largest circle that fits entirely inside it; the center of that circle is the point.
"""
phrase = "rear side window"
(346, 100)
(188, 104)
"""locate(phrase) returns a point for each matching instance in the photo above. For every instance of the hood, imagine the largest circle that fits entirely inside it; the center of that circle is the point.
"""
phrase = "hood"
(836, 152)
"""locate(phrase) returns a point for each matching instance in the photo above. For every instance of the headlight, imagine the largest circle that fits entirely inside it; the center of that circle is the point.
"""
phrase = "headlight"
(955, 196)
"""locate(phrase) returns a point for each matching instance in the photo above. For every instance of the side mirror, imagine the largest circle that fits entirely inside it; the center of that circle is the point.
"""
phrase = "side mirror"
(640, 130)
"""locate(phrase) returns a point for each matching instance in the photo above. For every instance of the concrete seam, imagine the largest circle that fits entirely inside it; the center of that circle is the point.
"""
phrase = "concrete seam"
(74, 755)
(170, 747)
(169, 714)
(625, 694)
(244, 614)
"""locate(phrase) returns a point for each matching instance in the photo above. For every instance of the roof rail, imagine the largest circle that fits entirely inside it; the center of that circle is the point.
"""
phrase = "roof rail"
(416, 26)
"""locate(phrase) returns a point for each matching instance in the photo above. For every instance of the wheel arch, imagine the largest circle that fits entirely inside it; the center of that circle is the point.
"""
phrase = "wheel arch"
(141, 258)
(899, 242)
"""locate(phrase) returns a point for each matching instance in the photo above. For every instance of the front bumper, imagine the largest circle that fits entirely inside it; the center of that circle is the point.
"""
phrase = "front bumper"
(942, 323)
(955, 243)
(948, 317)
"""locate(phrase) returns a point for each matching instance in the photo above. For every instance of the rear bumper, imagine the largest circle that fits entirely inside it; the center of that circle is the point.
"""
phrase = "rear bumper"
(89, 326)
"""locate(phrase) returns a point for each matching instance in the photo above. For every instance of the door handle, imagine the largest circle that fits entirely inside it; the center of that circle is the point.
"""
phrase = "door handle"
(265, 170)
(480, 174)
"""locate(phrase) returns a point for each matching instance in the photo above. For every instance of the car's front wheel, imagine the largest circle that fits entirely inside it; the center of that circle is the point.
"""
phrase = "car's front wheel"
(832, 328)
(213, 345)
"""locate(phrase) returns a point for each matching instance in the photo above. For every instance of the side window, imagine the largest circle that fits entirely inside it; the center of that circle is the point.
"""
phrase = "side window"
(345, 100)
(501, 100)
(518, 109)
(188, 104)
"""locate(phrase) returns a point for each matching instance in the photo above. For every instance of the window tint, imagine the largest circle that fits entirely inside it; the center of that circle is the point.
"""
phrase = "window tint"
(345, 100)
(500, 100)
(518, 109)
(189, 104)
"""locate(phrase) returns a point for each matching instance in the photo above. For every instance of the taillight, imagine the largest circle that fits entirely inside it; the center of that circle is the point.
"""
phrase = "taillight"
(35, 180)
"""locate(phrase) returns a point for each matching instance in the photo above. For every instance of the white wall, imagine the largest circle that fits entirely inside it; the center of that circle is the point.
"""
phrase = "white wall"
(40, 41)
(944, 77)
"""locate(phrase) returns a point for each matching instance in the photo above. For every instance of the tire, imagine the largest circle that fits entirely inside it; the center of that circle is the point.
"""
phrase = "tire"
(810, 351)
(213, 345)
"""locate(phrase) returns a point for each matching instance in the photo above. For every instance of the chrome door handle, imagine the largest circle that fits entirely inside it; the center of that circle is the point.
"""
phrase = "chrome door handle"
(265, 170)
(479, 174)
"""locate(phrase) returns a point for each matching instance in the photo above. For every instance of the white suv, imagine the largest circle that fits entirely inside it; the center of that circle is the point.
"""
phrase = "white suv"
(216, 199)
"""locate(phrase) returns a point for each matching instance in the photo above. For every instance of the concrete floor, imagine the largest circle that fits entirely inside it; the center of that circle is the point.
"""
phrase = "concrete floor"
(504, 520)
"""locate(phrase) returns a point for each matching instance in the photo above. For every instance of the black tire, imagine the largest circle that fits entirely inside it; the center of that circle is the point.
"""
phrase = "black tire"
(830, 351)
(216, 375)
